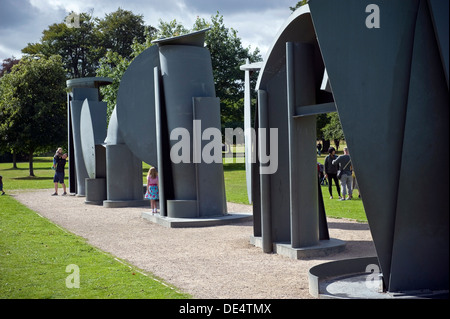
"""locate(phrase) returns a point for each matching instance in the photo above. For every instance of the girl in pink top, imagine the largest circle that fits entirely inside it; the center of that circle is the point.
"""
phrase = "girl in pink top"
(152, 188)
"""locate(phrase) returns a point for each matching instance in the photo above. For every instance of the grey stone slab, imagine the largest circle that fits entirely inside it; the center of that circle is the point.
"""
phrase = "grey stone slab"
(323, 248)
(197, 222)
(126, 203)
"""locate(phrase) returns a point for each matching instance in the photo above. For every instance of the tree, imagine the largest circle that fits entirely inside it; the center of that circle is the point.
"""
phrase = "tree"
(227, 55)
(333, 130)
(113, 66)
(170, 29)
(298, 5)
(78, 46)
(83, 46)
(119, 29)
(322, 121)
(7, 65)
(33, 106)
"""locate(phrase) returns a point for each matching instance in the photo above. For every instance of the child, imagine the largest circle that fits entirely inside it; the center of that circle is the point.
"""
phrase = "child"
(58, 154)
(152, 188)
(1, 185)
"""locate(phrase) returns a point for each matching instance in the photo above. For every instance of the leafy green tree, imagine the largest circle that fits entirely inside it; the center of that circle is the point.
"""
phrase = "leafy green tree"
(33, 106)
(82, 46)
(298, 5)
(322, 121)
(170, 29)
(7, 65)
(227, 56)
(333, 129)
(112, 65)
(118, 30)
(78, 46)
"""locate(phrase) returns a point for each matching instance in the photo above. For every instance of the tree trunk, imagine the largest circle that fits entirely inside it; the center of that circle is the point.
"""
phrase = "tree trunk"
(336, 142)
(14, 159)
(326, 145)
(30, 161)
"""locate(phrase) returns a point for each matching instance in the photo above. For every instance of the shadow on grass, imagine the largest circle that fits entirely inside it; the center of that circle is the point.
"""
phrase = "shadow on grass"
(33, 178)
(234, 167)
(27, 168)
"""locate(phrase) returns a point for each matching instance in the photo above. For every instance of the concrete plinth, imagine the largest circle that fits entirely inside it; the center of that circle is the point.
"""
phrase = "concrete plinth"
(126, 203)
(95, 190)
(197, 222)
(182, 208)
(358, 278)
(323, 248)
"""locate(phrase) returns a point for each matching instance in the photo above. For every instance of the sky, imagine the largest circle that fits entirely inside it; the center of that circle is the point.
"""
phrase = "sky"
(256, 21)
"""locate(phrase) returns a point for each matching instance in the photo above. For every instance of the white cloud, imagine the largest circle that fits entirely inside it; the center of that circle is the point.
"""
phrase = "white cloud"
(258, 29)
(257, 21)
(56, 5)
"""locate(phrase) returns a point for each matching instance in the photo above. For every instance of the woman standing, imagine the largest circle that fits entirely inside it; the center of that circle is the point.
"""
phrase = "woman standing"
(331, 172)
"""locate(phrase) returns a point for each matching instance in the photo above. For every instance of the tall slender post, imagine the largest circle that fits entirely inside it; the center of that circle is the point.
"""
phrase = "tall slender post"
(304, 208)
(248, 134)
(159, 150)
(266, 224)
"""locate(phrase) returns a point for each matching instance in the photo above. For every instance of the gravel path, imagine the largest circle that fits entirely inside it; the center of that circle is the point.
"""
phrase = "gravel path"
(210, 262)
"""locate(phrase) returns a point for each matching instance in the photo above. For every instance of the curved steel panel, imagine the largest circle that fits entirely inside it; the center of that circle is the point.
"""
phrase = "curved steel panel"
(136, 106)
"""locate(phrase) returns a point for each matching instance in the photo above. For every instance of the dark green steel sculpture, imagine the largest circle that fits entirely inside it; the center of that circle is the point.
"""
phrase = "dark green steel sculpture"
(387, 74)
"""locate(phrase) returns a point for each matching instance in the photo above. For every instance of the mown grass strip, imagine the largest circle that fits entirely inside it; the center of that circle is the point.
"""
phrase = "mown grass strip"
(35, 254)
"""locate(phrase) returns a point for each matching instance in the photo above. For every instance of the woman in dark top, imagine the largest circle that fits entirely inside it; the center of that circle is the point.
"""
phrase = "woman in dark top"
(331, 172)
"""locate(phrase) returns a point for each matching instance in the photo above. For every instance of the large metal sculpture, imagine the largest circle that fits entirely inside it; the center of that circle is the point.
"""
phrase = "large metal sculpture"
(166, 99)
(168, 87)
(83, 93)
(388, 80)
(289, 215)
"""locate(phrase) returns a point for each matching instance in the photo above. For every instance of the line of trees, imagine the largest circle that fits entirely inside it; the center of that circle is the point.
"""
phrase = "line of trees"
(33, 106)
(33, 110)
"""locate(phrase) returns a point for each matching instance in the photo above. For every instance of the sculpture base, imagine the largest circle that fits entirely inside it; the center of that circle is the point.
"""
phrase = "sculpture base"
(170, 222)
(126, 203)
(324, 248)
(353, 279)
(95, 191)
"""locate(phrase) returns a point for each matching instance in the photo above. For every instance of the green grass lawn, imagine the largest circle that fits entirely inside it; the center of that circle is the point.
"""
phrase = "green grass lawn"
(352, 209)
(236, 191)
(34, 253)
(20, 178)
(235, 184)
